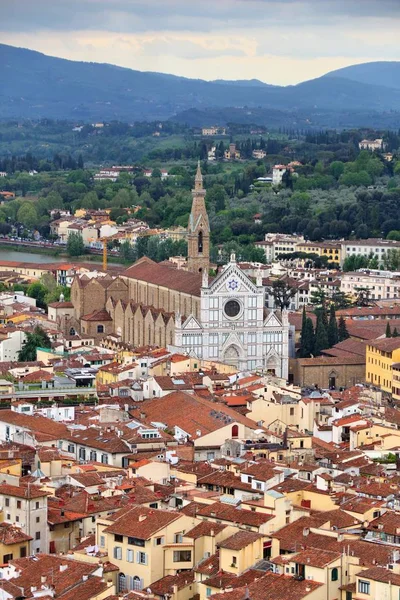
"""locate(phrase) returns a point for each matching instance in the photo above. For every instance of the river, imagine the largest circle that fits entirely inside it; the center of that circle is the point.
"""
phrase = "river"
(32, 257)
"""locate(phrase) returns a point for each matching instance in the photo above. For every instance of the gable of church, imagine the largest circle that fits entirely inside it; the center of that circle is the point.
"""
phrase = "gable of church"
(272, 321)
(191, 323)
(231, 281)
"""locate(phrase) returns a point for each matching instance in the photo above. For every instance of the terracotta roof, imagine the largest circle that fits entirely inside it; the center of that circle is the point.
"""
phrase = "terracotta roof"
(388, 523)
(209, 566)
(191, 413)
(272, 586)
(93, 587)
(140, 522)
(107, 441)
(165, 585)
(223, 579)
(160, 275)
(36, 376)
(380, 574)
(97, 315)
(386, 345)
(9, 534)
(205, 528)
(332, 360)
(48, 565)
(34, 423)
(61, 305)
(28, 493)
(240, 540)
(225, 512)
(315, 557)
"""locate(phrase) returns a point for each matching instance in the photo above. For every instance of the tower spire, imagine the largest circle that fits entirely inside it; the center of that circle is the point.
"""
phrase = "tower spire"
(199, 228)
(198, 180)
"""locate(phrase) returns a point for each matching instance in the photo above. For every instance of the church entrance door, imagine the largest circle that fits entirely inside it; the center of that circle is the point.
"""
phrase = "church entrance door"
(231, 356)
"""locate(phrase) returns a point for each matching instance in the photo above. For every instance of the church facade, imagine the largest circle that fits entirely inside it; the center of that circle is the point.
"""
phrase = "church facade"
(234, 327)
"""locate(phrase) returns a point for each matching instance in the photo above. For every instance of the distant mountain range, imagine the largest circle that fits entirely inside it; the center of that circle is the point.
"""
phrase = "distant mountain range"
(34, 85)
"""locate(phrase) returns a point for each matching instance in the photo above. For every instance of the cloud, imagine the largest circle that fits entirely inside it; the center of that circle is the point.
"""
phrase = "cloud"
(176, 15)
(278, 41)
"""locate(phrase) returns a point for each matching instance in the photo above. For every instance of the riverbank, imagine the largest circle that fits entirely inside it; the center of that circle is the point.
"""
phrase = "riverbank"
(7, 248)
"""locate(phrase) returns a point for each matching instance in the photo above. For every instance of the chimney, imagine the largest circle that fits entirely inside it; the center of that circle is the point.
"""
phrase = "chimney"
(174, 589)
(306, 531)
(63, 568)
(212, 533)
(142, 518)
(43, 579)
(84, 577)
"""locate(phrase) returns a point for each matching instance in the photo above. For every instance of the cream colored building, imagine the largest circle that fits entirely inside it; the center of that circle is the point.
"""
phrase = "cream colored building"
(146, 544)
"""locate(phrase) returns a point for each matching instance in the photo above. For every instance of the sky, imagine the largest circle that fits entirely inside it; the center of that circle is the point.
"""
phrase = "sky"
(277, 41)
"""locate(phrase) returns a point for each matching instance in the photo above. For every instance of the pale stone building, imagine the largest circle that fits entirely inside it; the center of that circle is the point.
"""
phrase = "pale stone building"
(234, 327)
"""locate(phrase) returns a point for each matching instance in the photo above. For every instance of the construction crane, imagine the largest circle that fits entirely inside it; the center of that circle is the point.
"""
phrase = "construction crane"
(105, 249)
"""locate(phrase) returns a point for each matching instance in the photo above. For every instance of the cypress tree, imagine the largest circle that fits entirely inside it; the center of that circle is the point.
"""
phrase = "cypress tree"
(321, 336)
(395, 332)
(388, 331)
(307, 339)
(333, 334)
(303, 321)
(342, 330)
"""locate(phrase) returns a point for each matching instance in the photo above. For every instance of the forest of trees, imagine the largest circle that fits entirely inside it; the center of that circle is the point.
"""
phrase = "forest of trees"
(337, 192)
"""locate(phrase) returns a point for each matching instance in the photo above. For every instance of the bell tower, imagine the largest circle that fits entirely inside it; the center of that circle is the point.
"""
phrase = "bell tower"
(198, 229)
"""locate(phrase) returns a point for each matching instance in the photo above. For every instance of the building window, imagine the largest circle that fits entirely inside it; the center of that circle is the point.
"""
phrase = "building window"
(37, 519)
(334, 574)
(18, 503)
(182, 556)
(132, 541)
(118, 552)
(363, 587)
(234, 561)
(208, 592)
(7, 558)
(129, 555)
(118, 538)
(37, 535)
(104, 459)
(100, 328)
(7, 502)
(141, 558)
(93, 455)
(159, 541)
(102, 541)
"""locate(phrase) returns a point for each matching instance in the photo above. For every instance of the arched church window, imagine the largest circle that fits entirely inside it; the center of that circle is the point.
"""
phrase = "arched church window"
(200, 241)
(235, 431)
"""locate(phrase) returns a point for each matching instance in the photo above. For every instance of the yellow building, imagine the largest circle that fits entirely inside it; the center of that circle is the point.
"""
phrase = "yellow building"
(329, 249)
(377, 582)
(14, 543)
(206, 537)
(241, 551)
(318, 565)
(145, 544)
(381, 355)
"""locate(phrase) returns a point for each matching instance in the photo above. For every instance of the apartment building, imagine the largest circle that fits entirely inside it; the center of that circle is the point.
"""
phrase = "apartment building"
(383, 285)
(372, 246)
(26, 507)
(146, 544)
(381, 355)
